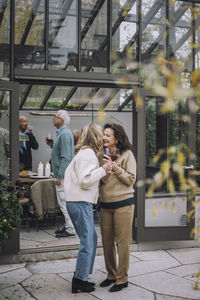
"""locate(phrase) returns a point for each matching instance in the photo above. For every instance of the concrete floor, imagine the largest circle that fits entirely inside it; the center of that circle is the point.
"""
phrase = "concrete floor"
(153, 275)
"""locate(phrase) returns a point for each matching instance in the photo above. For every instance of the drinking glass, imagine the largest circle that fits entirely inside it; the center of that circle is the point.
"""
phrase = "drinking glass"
(107, 152)
(49, 139)
(115, 154)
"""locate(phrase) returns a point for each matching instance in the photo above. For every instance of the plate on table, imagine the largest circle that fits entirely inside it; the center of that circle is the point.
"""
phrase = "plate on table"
(39, 177)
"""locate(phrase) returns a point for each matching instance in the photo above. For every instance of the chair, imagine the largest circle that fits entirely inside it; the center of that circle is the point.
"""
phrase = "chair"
(43, 195)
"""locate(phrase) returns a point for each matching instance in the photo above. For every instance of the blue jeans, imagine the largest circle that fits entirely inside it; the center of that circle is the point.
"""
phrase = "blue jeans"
(81, 214)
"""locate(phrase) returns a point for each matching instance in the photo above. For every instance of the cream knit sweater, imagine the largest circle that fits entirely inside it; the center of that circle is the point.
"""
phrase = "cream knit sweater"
(119, 185)
(81, 181)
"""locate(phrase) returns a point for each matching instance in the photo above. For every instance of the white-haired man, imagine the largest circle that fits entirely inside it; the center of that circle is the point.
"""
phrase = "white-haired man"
(61, 156)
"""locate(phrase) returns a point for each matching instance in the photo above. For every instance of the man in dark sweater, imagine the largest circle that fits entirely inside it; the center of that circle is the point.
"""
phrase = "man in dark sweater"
(27, 141)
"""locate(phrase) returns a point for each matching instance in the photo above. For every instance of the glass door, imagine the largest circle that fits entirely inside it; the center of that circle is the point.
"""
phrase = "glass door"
(168, 146)
(9, 107)
(9, 162)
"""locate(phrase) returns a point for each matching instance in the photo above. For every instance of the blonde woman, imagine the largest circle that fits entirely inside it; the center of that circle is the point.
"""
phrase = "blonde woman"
(81, 183)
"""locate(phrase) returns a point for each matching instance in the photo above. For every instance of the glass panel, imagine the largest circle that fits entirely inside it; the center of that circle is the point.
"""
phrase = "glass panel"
(180, 33)
(75, 98)
(93, 36)
(4, 134)
(165, 132)
(63, 38)
(166, 212)
(35, 96)
(153, 28)
(29, 33)
(124, 33)
(58, 96)
(197, 35)
(4, 38)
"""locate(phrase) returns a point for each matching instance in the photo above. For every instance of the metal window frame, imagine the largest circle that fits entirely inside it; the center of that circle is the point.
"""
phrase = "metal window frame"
(147, 234)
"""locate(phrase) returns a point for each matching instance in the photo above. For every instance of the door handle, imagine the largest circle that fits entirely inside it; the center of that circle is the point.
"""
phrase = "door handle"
(191, 167)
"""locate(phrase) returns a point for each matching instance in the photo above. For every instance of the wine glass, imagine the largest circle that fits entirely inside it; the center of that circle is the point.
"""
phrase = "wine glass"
(49, 141)
(114, 154)
(107, 153)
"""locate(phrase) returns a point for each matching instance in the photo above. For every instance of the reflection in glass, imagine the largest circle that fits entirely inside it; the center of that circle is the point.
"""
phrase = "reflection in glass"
(4, 38)
(93, 36)
(162, 132)
(63, 44)
(124, 34)
(4, 135)
(29, 33)
(166, 212)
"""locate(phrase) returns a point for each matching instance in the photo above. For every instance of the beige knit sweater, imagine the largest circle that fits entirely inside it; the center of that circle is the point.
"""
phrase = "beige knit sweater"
(119, 185)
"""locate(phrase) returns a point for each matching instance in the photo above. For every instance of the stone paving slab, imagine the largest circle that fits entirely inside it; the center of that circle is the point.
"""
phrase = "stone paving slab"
(185, 270)
(186, 255)
(132, 292)
(13, 277)
(15, 292)
(51, 287)
(166, 284)
(10, 267)
(145, 267)
(163, 297)
(153, 255)
(55, 266)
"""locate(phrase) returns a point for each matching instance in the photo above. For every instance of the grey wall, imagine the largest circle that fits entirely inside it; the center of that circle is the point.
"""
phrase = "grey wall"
(42, 125)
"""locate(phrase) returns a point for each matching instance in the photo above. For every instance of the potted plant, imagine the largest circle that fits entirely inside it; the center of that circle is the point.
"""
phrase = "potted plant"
(11, 198)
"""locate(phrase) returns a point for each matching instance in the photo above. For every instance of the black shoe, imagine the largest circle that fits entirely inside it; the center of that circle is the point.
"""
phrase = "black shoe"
(91, 283)
(118, 287)
(64, 234)
(60, 230)
(107, 282)
(82, 286)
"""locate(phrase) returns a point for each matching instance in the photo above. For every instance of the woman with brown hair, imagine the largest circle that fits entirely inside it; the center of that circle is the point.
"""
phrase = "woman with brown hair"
(117, 206)
(81, 187)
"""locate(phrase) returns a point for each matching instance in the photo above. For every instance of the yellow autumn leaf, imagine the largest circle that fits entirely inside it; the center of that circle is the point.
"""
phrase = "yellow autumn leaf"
(157, 157)
(171, 185)
(123, 80)
(192, 182)
(173, 208)
(155, 211)
(138, 101)
(180, 158)
(150, 191)
(101, 116)
(171, 150)
(171, 3)
(165, 167)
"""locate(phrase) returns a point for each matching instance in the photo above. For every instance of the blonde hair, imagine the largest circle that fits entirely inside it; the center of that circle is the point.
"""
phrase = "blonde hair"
(91, 137)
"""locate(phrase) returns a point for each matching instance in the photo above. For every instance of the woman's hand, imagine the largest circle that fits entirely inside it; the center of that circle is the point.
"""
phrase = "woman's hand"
(114, 166)
(107, 166)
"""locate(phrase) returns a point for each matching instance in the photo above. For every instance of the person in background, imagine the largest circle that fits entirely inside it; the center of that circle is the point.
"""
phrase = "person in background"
(117, 207)
(61, 156)
(4, 152)
(81, 187)
(76, 135)
(27, 141)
